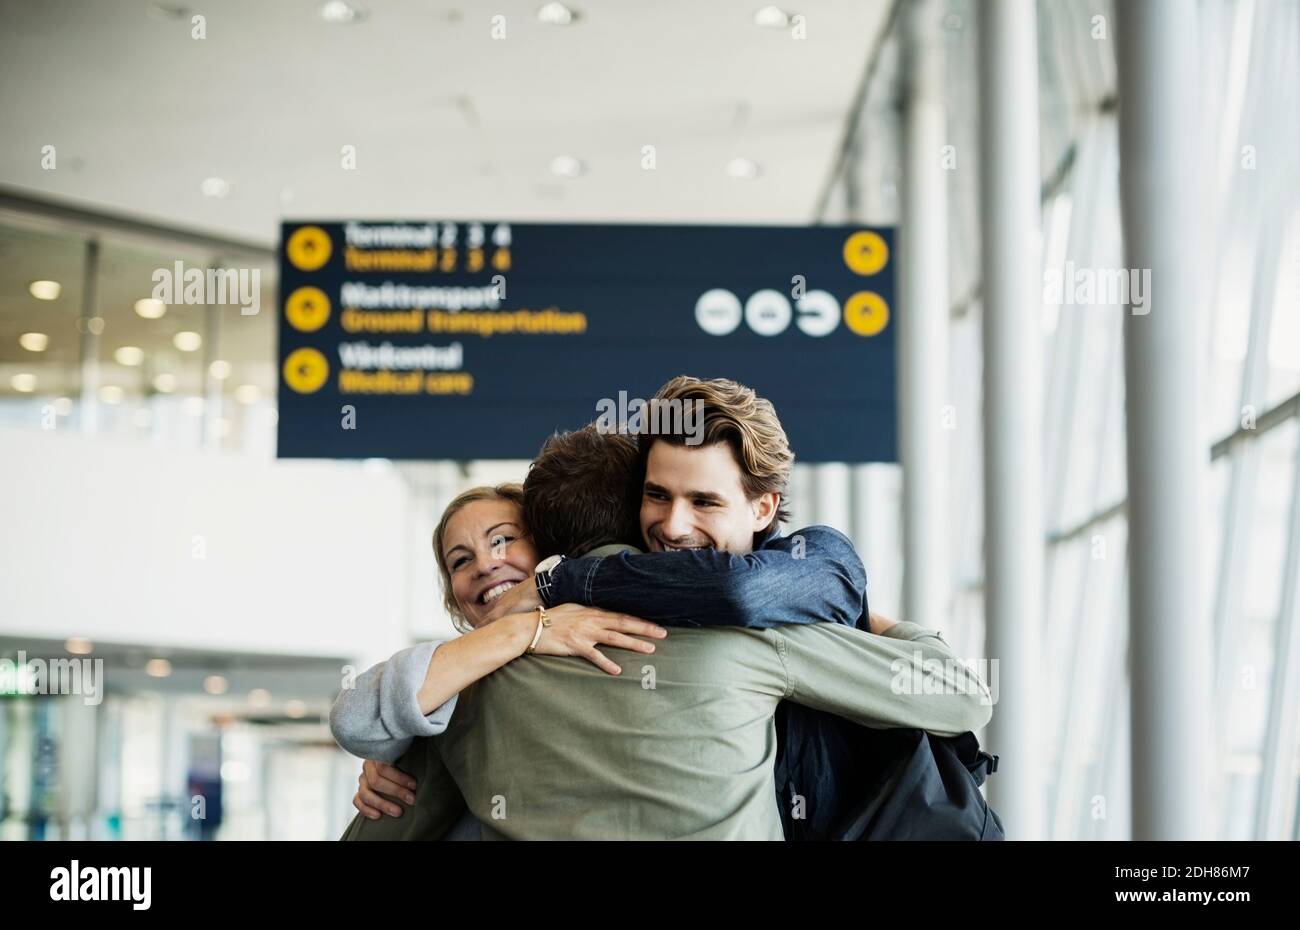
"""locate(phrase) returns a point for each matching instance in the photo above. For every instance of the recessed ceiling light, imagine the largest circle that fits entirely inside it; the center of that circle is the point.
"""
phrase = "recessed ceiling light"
(215, 187)
(111, 394)
(771, 17)
(215, 684)
(129, 355)
(566, 166)
(259, 697)
(340, 12)
(742, 168)
(295, 709)
(150, 308)
(34, 342)
(158, 668)
(23, 382)
(220, 369)
(187, 341)
(78, 646)
(248, 393)
(45, 290)
(164, 383)
(556, 14)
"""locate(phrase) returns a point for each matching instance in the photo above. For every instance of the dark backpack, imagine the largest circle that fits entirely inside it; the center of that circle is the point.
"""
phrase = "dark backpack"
(931, 793)
(859, 783)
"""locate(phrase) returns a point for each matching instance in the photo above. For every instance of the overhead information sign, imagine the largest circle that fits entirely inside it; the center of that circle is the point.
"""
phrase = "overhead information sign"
(469, 340)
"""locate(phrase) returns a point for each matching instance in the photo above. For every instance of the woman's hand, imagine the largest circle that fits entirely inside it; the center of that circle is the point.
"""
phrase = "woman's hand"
(377, 777)
(576, 631)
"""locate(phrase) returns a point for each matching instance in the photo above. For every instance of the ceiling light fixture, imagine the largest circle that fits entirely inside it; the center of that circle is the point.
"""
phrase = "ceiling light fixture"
(556, 14)
(215, 187)
(771, 17)
(340, 12)
(150, 308)
(129, 356)
(566, 166)
(158, 668)
(34, 342)
(45, 290)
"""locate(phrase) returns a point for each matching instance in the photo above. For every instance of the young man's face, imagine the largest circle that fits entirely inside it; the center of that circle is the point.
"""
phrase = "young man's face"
(693, 499)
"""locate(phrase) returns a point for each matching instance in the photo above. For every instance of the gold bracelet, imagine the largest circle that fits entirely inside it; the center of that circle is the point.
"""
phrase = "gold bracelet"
(543, 622)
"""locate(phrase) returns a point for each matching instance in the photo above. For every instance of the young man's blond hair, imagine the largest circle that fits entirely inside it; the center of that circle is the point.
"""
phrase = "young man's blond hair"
(747, 423)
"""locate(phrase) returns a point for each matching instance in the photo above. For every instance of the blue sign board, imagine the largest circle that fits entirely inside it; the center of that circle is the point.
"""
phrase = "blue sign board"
(476, 340)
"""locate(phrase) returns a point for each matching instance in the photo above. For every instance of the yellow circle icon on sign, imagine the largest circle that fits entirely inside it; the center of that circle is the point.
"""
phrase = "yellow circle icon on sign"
(307, 309)
(865, 253)
(866, 313)
(309, 248)
(306, 371)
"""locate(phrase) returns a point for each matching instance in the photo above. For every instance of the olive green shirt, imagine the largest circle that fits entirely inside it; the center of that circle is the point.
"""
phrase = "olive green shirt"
(681, 745)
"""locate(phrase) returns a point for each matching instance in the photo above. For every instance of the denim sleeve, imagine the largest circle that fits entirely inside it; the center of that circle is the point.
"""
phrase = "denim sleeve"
(811, 576)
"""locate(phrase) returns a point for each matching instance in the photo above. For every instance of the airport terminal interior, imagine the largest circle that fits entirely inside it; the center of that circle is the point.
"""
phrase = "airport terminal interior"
(148, 522)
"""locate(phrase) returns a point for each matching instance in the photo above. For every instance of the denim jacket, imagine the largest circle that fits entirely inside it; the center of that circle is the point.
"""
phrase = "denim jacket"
(809, 576)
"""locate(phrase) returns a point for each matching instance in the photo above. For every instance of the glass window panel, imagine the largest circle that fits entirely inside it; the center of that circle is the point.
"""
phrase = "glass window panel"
(1247, 703)
(1284, 339)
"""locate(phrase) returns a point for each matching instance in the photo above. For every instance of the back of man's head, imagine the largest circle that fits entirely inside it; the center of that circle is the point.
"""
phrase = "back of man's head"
(582, 491)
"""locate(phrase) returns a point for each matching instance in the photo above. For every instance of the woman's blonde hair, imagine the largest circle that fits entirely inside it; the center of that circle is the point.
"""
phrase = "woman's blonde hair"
(514, 493)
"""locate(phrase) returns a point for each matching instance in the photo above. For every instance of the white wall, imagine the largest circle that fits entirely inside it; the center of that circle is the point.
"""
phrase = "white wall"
(120, 542)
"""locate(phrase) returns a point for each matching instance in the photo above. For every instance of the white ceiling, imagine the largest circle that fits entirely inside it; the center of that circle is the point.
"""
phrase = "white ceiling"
(446, 121)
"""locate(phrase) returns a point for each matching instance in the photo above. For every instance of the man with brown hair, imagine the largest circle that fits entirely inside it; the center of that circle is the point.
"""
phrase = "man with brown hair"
(582, 493)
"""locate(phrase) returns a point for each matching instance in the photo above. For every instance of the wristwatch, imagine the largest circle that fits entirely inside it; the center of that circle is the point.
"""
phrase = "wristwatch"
(544, 570)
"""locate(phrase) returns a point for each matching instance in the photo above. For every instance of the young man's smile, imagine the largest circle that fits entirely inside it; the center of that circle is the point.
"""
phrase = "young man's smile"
(693, 499)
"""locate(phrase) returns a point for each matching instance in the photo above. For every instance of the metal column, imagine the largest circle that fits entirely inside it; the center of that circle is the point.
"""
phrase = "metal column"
(1010, 180)
(1162, 194)
(923, 322)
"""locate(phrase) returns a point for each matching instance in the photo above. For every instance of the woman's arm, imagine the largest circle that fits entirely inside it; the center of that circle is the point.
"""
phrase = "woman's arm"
(413, 693)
